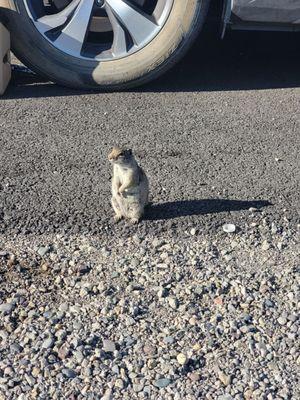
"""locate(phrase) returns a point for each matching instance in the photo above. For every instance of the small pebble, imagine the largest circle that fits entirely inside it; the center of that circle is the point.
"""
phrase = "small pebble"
(193, 231)
(194, 377)
(173, 302)
(43, 250)
(48, 343)
(6, 307)
(229, 228)
(108, 346)
(162, 383)
(225, 379)
(282, 320)
(69, 373)
(182, 359)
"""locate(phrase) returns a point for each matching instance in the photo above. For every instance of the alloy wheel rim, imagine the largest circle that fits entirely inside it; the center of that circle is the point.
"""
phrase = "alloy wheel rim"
(99, 29)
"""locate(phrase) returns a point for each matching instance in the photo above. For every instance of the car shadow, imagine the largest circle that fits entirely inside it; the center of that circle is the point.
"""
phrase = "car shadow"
(186, 208)
(242, 61)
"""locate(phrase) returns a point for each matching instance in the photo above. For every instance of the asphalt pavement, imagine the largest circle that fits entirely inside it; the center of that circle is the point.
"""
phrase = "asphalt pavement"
(217, 135)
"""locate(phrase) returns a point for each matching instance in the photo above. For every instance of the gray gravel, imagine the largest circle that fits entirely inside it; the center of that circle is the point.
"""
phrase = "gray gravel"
(200, 317)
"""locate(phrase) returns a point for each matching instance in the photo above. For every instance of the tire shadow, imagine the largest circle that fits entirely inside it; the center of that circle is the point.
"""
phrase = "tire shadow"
(242, 61)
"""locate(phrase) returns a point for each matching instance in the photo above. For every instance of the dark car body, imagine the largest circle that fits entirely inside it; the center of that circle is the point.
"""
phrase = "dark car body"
(257, 14)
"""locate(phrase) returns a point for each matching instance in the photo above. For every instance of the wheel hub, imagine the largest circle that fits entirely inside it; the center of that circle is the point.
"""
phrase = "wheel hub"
(99, 3)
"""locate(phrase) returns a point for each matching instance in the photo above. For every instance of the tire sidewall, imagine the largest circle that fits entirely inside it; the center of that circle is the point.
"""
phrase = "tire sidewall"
(184, 21)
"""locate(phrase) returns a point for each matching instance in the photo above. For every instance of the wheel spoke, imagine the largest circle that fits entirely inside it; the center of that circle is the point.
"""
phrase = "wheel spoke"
(48, 22)
(119, 45)
(74, 33)
(138, 24)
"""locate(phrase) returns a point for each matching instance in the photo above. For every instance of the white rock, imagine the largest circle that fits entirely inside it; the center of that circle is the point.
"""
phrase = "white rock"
(252, 209)
(229, 228)
(173, 302)
(225, 379)
(48, 343)
(6, 307)
(182, 359)
(282, 320)
(265, 245)
(108, 346)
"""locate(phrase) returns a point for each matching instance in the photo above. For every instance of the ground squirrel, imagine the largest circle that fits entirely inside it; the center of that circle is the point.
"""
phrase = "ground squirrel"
(130, 186)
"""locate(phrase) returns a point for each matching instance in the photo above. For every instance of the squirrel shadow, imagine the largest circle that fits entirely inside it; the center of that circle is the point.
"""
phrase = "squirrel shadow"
(185, 208)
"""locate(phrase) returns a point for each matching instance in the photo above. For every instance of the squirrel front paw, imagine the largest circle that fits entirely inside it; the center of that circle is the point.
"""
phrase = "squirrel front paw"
(122, 194)
(118, 217)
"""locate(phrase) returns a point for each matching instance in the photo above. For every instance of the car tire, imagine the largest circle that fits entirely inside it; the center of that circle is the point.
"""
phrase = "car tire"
(171, 43)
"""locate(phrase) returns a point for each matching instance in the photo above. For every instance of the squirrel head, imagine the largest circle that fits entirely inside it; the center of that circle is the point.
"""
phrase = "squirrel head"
(120, 156)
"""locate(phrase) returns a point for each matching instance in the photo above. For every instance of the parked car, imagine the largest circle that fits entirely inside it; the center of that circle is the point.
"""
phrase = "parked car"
(117, 44)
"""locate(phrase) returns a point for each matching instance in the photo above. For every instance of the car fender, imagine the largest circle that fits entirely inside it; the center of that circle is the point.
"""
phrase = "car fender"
(226, 14)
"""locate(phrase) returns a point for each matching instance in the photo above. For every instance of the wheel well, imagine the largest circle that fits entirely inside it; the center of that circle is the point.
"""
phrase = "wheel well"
(215, 14)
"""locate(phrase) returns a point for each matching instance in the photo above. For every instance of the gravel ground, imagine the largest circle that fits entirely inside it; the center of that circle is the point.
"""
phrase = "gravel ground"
(175, 308)
(151, 317)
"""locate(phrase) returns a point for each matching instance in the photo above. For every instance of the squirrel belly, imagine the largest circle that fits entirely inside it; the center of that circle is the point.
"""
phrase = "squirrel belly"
(132, 194)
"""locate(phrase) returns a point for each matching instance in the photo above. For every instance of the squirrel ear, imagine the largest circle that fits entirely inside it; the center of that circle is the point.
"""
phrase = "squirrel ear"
(129, 152)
